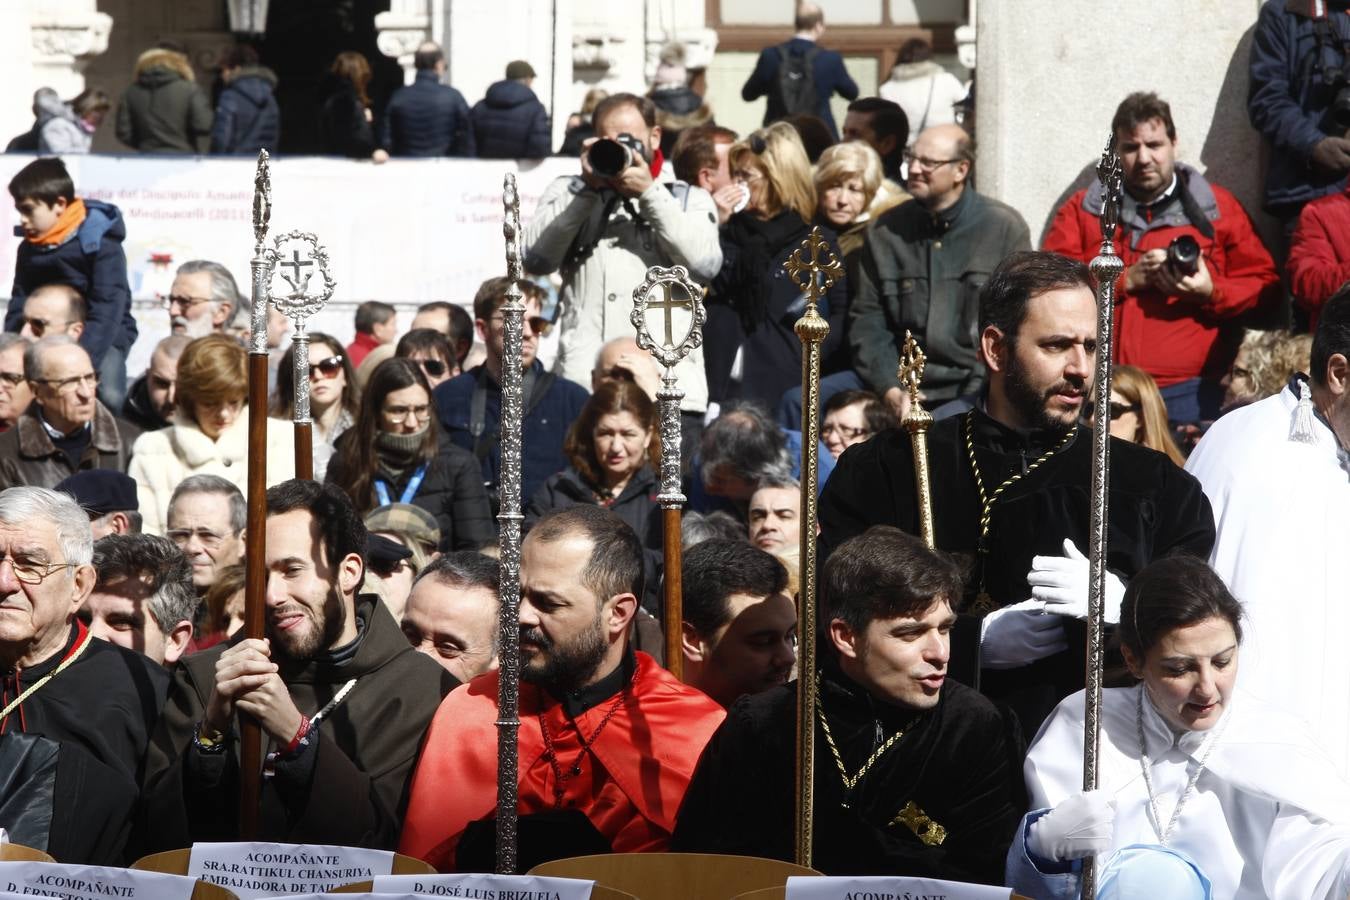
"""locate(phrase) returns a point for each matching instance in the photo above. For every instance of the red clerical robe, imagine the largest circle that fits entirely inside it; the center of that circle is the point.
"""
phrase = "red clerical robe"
(631, 782)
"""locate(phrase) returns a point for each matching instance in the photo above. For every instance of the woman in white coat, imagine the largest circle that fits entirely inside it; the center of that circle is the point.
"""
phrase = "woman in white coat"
(1188, 764)
(926, 92)
(209, 433)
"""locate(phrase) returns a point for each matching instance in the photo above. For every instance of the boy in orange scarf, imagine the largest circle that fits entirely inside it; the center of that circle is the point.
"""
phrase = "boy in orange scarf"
(76, 242)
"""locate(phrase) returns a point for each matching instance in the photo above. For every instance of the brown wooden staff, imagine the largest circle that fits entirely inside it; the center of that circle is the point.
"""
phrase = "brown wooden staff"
(677, 292)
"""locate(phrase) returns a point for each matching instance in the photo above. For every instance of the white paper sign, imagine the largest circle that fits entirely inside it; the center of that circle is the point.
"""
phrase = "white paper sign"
(6, 895)
(91, 882)
(486, 887)
(253, 870)
(805, 887)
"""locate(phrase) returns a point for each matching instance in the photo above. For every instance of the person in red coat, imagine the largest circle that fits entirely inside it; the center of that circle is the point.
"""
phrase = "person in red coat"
(1319, 254)
(608, 739)
(1169, 322)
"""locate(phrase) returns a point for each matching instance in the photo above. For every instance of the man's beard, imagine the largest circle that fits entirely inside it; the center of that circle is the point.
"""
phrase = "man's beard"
(193, 328)
(327, 629)
(564, 667)
(1032, 402)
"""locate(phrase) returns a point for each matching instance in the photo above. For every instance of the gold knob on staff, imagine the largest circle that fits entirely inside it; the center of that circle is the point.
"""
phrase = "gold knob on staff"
(916, 422)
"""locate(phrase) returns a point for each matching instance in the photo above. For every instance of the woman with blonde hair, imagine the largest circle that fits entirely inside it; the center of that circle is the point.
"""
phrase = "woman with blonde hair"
(1263, 365)
(753, 304)
(209, 431)
(1139, 414)
(850, 182)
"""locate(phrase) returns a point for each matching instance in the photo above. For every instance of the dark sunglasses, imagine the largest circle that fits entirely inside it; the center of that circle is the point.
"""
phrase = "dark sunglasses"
(328, 368)
(433, 367)
(1117, 409)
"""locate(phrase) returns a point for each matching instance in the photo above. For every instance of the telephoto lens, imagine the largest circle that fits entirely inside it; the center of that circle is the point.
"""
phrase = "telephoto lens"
(608, 158)
(1183, 255)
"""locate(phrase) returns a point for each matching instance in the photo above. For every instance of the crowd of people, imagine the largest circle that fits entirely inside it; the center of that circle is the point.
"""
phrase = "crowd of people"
(950, 715)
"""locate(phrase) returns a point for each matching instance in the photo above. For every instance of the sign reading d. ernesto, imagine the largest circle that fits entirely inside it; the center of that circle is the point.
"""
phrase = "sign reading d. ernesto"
(90, 882)
(800, 887)
(251, 870)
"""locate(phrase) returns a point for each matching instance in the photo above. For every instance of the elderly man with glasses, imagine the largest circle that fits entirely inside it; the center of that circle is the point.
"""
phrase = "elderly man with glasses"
(66, 429)
(75, 712)
(922, 269)
(203, 298)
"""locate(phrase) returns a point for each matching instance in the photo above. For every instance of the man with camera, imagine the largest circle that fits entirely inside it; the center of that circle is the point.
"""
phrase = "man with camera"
(1193, 262)
(603, 228)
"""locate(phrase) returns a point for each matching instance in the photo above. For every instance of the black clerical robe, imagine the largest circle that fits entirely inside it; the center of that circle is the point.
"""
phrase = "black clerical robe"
(70, 754)
(349, 786)
(958, 765)
(1155, 509)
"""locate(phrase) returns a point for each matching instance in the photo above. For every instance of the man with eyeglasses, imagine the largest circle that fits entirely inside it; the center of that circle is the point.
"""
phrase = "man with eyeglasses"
(203, 298)
(923, 265)
(469, 405)
(67, 429)
(53, 309)
(206, 521)
(76, 712)
(153, 397)
(15, 392)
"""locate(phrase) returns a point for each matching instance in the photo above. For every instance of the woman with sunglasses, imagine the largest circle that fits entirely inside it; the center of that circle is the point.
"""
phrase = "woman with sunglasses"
(396, 453)
(1138, 413)
(431, 350)
(1192, 770)
(208, 433)
(753, 304)
(333, 396)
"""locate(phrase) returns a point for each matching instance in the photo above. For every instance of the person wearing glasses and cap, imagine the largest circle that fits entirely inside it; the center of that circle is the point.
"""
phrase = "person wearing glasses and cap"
(75, 713)
(66, 429)
(923, 265)
(209, 434)
(396, 452)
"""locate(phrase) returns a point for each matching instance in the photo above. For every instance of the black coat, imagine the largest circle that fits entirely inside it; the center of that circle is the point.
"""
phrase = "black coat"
(350, 788)
(753, 305)
(343, 127)
(247, 116)
(100, 712)
(452, 491)
(137, 408)
(427, 118)
(510, 123)
(1155, 508)
(960, 763)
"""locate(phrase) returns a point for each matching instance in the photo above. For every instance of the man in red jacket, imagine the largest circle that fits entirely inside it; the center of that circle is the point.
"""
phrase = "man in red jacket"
(1171, 315)
(608, 739)
(1319, 254)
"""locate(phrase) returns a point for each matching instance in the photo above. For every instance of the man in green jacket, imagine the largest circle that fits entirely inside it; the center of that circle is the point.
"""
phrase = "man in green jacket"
(922, 269)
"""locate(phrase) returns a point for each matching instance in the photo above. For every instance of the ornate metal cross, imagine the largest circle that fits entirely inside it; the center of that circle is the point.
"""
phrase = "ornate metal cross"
(668, 303)
(295, 264)
(912, 362)
(814, 275)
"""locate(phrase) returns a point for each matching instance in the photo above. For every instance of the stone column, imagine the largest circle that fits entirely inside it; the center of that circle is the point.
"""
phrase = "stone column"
(406, 24)
(1049, 84)
(66, 35)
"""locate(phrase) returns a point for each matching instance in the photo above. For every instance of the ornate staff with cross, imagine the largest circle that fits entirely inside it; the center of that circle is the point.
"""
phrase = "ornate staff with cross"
(509, 519)
(255, 548)
(1106, 268)
(917, 422)
(813, 274)
(668, 352)
(298, 304)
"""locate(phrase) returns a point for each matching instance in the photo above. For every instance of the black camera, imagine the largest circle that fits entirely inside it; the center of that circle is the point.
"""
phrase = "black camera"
(608, 157)
(1183, 255)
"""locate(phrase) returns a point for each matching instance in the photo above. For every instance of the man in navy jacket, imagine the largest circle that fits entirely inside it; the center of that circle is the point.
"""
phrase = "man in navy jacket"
(510, 122)
(427, 118)
(827, 71)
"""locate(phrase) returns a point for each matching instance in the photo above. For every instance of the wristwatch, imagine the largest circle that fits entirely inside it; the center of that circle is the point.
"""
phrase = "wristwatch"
(207, 743)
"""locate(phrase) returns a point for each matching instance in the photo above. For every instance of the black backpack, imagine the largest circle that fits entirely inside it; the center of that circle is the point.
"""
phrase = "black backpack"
(797, 81)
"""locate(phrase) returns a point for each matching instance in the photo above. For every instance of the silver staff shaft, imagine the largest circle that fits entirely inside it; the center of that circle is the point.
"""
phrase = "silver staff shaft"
(1106, 268)
(509, 519)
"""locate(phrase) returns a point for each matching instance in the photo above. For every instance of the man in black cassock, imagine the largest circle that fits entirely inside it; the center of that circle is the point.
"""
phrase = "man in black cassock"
(75, 712)
(341, 698)
(915, 774)
(1024, 452)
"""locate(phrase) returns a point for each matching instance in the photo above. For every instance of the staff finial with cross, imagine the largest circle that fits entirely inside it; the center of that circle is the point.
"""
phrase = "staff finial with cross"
(912, 362)
(818, 270)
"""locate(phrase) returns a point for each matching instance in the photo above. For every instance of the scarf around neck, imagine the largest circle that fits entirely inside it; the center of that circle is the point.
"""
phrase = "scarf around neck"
(66, 225)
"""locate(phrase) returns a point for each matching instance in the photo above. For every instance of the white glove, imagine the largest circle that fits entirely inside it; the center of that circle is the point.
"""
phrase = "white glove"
(1080, 826)
(1061, 583)
(1020, 634)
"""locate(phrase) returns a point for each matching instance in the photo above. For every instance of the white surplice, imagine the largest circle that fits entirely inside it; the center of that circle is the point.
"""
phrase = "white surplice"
(1281, 508)
(1269, 816)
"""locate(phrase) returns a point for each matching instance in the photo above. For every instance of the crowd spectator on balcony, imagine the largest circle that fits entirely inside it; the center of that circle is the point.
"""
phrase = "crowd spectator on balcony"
(247, 116)
(798, 76)
(928, 93)
(428, 118)
(678, 108)
(510, 122)
(164, 111)
(346, 123)
(67, 129)
(579, 127)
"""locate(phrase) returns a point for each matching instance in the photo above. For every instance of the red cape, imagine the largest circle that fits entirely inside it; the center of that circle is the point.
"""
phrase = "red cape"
(632, 780)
